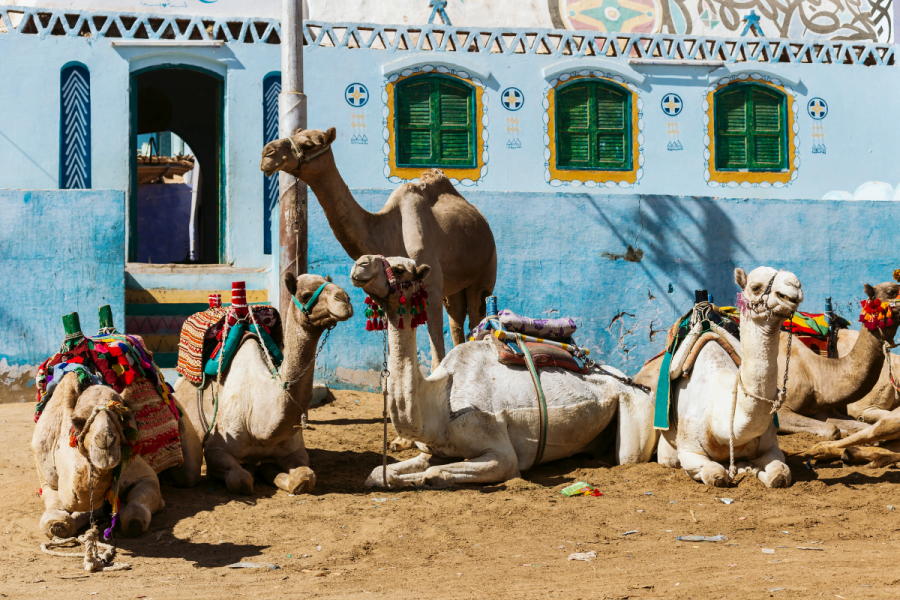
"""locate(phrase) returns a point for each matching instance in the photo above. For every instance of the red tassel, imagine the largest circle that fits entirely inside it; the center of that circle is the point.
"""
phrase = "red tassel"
(400, 325)
(369, 326)
(73, 441)
(402, 299)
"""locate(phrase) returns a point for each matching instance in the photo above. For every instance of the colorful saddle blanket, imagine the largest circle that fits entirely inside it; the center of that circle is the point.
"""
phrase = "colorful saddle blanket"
(543, 356)
(556, 329)
(201, 339)
(123, 363)
(810, 328)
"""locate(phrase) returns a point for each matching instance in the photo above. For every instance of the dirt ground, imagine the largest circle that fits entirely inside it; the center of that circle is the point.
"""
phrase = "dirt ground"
(504, 541)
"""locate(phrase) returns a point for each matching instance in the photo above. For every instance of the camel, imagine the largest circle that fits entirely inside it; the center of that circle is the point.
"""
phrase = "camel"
(706, 415)
(882, 399)
(259, 415)
(821, 386)
(477, 420)
(65, 471)
(429, 222)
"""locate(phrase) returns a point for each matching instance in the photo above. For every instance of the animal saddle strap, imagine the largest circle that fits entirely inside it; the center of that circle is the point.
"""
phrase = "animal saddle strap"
(542, 401)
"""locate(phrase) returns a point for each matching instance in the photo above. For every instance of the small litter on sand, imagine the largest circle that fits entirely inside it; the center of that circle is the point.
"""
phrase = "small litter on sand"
(776, 589)
(808, 548)
(702, 538)
(249, 565)
(630, 532)
(585, 556)
(383, 499)
(727, 500)
(582, 488)
(890, 507)
(768, 551)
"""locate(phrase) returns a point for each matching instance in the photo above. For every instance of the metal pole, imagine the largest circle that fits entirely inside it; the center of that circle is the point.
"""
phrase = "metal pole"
(291, 116)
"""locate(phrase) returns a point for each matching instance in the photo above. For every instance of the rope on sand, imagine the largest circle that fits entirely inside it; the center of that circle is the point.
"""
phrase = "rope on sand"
(97, 555)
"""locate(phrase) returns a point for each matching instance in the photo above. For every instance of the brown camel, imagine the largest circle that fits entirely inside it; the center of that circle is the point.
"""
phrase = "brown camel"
(429, 222)
(818, 387)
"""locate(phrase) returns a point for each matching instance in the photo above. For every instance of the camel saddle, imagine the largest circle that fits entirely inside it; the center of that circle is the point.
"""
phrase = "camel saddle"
(544, 355)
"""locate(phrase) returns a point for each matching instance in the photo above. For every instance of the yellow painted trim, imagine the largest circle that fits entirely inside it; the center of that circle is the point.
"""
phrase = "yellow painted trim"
(473, 173)
(592, 175)
(167, 342)
(163, 296)
(750, 176)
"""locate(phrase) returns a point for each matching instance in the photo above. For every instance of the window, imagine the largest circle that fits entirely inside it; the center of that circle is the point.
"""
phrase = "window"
(750, 128)
(435, 122)
(75, 128)
(593, 127)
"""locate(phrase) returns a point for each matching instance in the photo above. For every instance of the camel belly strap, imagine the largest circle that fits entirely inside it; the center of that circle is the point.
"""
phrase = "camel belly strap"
(542, 401)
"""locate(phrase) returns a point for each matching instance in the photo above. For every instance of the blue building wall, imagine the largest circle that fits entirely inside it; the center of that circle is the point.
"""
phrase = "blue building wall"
(63, 251)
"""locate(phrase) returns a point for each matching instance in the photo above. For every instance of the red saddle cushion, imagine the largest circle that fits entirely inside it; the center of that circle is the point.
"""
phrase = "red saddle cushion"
(543, 355)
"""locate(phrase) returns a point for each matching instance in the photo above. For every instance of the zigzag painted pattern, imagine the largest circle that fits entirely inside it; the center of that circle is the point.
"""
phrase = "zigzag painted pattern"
(271, 89)
(75, 120)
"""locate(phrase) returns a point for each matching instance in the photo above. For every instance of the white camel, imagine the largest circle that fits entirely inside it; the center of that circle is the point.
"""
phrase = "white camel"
(705, 412)
(258, 419)
(477, 420)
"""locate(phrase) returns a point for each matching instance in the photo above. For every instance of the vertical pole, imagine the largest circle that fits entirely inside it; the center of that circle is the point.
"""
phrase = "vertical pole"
(291, 116)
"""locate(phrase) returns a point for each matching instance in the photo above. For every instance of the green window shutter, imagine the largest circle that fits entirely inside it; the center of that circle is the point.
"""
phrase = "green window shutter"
(435, 122)
(593, 127)
(750, 128)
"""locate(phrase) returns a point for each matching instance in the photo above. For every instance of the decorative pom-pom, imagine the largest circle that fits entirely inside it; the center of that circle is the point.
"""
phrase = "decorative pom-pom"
(73, 441)
(402, 299)
(400, 325)
(369, 325)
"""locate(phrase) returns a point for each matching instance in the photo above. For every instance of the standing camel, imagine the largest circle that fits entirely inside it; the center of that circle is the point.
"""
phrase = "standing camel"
(479, 421)
(429, 222)
(720, 404)
(258, 418)
(822, 386)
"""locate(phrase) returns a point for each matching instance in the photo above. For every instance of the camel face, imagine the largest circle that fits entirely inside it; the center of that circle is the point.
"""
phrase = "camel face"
(886, 292)
(761, 301)
(332, 307)
(105, 436)
(368, 273)
(281, 154)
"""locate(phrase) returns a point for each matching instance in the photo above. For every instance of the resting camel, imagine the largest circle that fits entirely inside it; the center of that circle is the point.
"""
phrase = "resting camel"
(65, 471)
(698, 439)
(258, 420)
(820, 386)
(477, 420)
(429, 222)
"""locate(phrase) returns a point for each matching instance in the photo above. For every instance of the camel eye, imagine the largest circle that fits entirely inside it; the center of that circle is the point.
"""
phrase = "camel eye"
(399, 270)
(756, 287)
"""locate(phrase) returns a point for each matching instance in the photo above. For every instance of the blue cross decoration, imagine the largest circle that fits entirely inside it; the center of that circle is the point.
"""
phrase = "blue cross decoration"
(752, 21)
(817, 109)
(512, 98)
(438, 7)
(672, 104)
(356, 95)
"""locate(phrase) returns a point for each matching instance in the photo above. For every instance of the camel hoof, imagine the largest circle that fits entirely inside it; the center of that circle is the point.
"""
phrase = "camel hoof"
(133, 528)
(239, 481)
(59, 529)
(779, 481)
(401, 444)
(302, 481)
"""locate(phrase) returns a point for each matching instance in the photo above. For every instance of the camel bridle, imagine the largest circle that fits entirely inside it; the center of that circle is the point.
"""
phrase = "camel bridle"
(303, 159)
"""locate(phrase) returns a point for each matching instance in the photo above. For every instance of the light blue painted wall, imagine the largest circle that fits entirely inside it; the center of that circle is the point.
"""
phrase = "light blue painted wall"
(553, 261)
(63, 251)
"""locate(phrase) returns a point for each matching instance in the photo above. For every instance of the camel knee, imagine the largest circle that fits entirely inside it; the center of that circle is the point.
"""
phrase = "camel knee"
(59, 523)
(301, 480)
(239, 481)
(714, 474)
(776, 475)
(135, 519)
(401, 444)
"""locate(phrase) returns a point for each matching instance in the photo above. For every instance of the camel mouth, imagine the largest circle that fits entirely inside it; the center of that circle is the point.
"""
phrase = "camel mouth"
(360, 280)
(794, 300)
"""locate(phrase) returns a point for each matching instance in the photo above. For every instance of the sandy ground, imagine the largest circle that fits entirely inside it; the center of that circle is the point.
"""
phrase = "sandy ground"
(504, 541)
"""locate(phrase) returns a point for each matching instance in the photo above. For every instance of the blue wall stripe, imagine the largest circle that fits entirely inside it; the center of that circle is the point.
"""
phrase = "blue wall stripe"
(271, 89)
(75, 128)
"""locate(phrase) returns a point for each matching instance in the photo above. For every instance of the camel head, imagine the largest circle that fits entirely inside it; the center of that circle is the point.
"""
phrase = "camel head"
(331, 307)
(768, 296)
(881, 309)
(299, 153)
(370, 274)
(102, 442)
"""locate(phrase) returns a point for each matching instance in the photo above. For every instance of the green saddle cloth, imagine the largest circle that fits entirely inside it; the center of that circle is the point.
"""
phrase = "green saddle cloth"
(233, 341)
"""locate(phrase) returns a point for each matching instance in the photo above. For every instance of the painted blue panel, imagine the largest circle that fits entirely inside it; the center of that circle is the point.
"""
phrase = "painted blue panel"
(271, 89)
(75, 128)
(63, 251)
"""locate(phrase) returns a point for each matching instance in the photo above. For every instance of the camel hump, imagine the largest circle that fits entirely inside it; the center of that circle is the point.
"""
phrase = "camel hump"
(435, 182)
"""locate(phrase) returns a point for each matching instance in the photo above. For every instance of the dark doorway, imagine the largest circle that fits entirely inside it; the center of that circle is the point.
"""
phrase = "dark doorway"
(188, 102)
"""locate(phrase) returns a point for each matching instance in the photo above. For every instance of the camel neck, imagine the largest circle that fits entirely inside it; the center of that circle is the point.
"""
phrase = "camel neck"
(353, 226)
(300, 342)
(759, 374)
(853, 376)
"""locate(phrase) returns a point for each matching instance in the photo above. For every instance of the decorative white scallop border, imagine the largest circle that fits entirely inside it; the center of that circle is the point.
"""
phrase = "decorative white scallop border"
(385, 112)
(591, 183)
(795, 129)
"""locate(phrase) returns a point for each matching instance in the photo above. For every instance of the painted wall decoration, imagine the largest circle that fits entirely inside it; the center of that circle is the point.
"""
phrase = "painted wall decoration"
(358, 128)
(817, 110)
(512, 133)
(75, 128)
(870, 20)
(271, 89)
(672, 106)
(356, 95)
(512, 98)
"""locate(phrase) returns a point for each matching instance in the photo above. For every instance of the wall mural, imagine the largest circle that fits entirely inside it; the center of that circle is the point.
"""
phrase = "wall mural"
(817, 110)
(869, 20)
(271, 90)
(75, 128)
(357, 96)
(671, 106)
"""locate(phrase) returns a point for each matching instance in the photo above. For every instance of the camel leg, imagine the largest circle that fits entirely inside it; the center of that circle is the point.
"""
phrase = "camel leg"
(870, 414)
(435, 313)
(456, 314)
(847, 426)
(187, 474)
(885, 429)
(666, 454)
(496, 465)
(56, 521)
(701, 468)
(225, 467)
(401, 445)
(407, 472)
(791, 422)
(773, 471)
(290, 473)
(142, 500)
(876, 458)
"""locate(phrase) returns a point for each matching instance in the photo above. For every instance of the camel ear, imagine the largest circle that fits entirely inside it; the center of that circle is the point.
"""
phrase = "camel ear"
(869, 290)
(290, 283)
(330, 135)
(740, 277)
(328, 279)
(422, 271)
(297, 132)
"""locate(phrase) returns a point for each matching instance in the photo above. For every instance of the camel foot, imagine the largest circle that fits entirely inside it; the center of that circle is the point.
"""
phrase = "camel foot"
(58, 524)
(301, 480)
(776, 475)
(401, 444)
(376, 479)
(715, 475)
(437, 478)
(239, 481)
(135, 519)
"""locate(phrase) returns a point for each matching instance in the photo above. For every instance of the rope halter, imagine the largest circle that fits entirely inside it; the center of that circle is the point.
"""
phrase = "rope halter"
(305, 159)
(306, 309)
